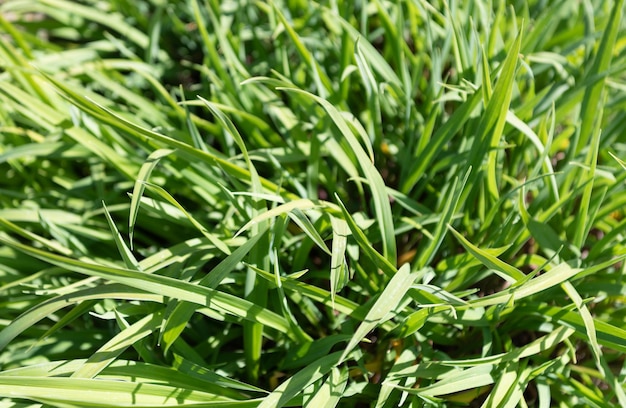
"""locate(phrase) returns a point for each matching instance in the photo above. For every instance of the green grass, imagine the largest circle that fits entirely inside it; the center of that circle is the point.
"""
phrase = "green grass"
(293, 203)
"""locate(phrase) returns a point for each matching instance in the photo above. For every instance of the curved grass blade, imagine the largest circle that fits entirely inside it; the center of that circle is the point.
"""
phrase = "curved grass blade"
(74, 392)
(504, 270)
(219, 244)
(456, 381)
(138, 188)
(177, 320)
(380, 261)
(388, 300)
(377, 185)
(162, 285)
(129, 259)
(553, 277)
(330, 392)
(112, 349)
(298, 331)
(338, 268)
(50, 306)
(282, 395)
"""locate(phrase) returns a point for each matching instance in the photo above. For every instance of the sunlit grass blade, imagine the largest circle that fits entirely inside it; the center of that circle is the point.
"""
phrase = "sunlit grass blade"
(425, 157)
(219, 244)
(162, 285)
(389, 299)
(555, 276)
(504, 270)
(179, 316)
(494, 118)
(32, 316)
(297, 330)
(98, 393)
(142, 177)
(454, 194)
(301, 204)
(338, 268)
(379, 194)
(282, 395)
(106, 354)
(457, 381)
(582, 228)
(329, 394)
(591, 103)
(129, 259)
(383, 263)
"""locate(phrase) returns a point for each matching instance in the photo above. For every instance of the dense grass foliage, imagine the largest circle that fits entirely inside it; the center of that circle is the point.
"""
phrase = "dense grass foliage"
(296, 203)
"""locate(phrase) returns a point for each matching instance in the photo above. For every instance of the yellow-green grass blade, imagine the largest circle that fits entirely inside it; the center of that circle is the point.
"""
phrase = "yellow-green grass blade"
(219, 244)
(592, 100)
(456, 381)
(547, 342)
(377, 185)
(74, 392)
(113, 348)
(282, 395)
(388, 300)
(142, 134)
(138, 189)
(590, 330)
(293, 323)
(504, 270)
(341, 305)
(222, 302)
(379, 260)
(255, 292)
(50, 306)
(377, 61)
(339, 273)
(129, 259)
(494, 118)
(588, 179)
(454, 194)
(554, 276)
(608, 335)
(424, 158)
(331, 390)
(178, 318)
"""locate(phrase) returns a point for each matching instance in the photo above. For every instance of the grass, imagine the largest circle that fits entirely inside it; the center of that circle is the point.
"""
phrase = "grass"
(318, 204)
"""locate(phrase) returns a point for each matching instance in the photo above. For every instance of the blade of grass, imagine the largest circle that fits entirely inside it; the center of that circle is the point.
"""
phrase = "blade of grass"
(224, 302)
(338, 268)
(504, 270)
(138, 188)
(493, 120)
(129, 259)
(179, 317)
(282, 395)
(329, 394)
(591, 103)
(112, 349)
(388, 300)
(377, 185)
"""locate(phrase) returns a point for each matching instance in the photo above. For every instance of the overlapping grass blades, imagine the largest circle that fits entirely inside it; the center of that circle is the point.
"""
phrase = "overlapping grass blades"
(374, 203)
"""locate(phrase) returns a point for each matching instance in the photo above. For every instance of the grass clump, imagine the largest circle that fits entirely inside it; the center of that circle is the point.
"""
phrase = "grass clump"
(313, 204)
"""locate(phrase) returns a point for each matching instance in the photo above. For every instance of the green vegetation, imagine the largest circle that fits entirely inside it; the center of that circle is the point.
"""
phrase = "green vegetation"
(296, 203)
